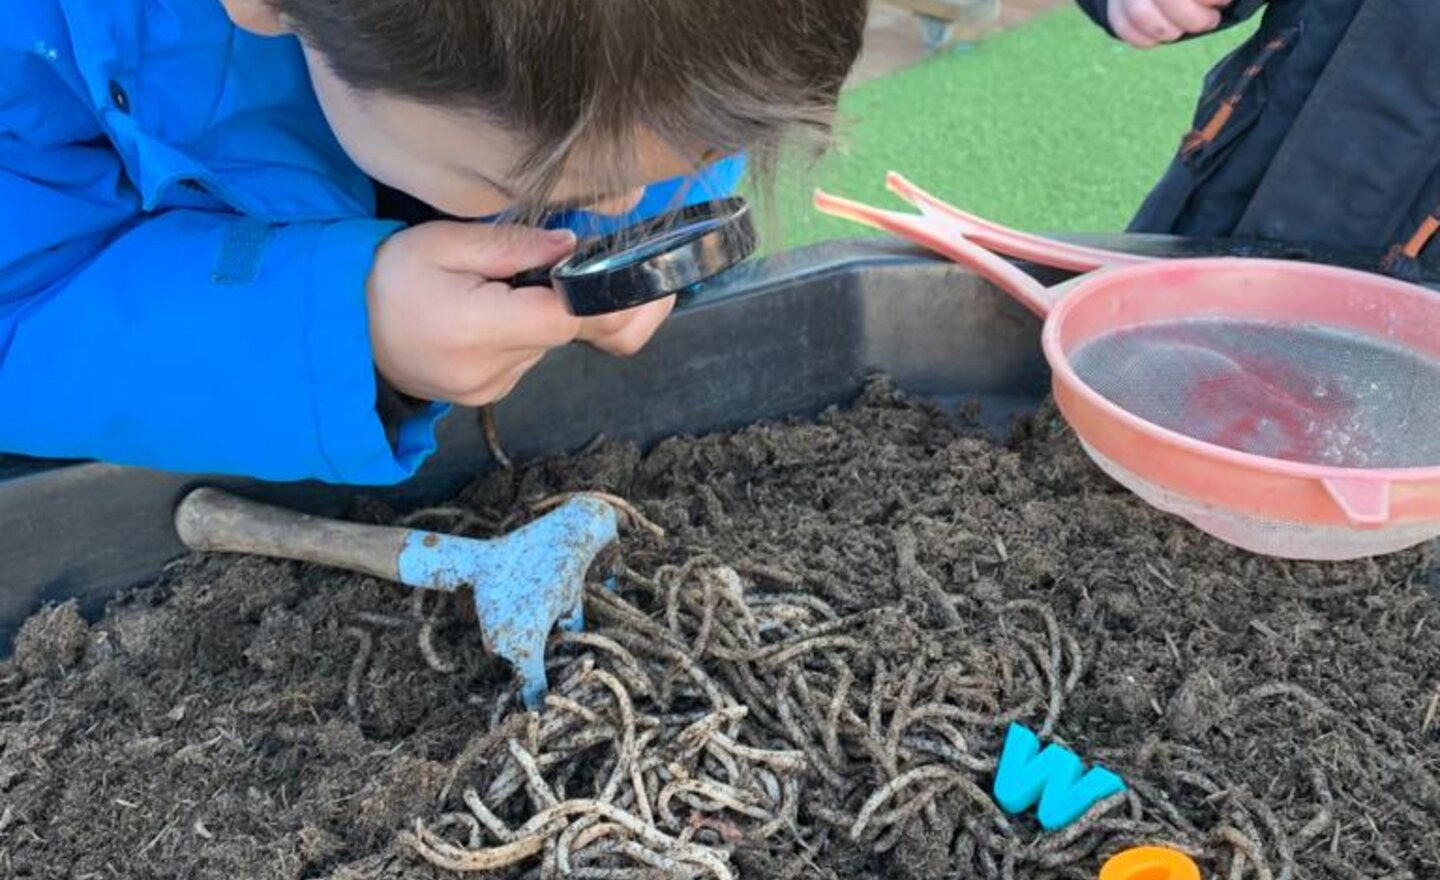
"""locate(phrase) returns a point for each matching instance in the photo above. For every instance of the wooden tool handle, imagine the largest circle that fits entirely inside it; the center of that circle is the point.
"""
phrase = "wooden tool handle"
(212, 520)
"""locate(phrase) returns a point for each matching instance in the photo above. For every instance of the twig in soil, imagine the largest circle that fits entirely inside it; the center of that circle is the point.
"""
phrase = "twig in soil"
(630, 511)
(357, 669)
(784, 761)
(1431, 714)
(440, 853)
(492, 823)
(887, 792)
(796, 600)
(810, 646)
(1324, 817)
(648, 835)
(1161, 801)
(479, 747)
(769, 572)
(1080, 827)
(966, 716)
(1077, 664)
(534, 782)
(159, 836)
(468, 821)
(1052, 658)
(457, 519)
(629, 668)
(707, 619)
(701, 731)
(427, 633)
(385, 621)
(718, 795)
(663, 864)
(565, 704)
(1342, 868)
(1276, 830)
(947, 753)
(627, 757)
(492, 438)
(592, 829)
(916, 581)
(893, 822)
(1245, 848)
(900, 717)
(769, 652)
(832, 717)
(592, 445)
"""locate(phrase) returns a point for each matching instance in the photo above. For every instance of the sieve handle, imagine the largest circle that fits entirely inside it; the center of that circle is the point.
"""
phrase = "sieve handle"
(1364, 501)
(976, 243)
(944, 239)
(1010, 242)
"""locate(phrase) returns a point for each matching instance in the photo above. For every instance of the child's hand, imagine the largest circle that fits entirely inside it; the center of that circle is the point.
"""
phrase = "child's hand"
(441, 329)
(1145, 24)
(625, 333)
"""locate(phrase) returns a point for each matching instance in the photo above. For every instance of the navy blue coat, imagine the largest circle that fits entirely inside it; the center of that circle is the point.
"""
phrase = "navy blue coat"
(1323, 129)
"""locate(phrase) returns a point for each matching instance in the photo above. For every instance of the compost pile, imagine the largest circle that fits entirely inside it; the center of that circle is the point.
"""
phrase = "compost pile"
(809, 675)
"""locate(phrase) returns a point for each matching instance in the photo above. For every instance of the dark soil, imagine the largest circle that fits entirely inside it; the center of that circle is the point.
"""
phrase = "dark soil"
(201, 729)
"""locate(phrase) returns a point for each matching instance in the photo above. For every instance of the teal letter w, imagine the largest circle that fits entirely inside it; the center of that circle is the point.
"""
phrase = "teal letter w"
(1054, 778)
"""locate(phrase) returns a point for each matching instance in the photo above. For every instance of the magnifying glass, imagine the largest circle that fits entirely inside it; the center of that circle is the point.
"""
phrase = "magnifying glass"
(651, 260)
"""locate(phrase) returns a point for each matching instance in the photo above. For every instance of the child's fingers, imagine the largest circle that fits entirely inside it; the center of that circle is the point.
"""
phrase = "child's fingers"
(496, 252)
(508, 382)
(1191, 16)
(499, 386)
(1138, 23)
(520, 319)
(1149, 20)
(625, 333)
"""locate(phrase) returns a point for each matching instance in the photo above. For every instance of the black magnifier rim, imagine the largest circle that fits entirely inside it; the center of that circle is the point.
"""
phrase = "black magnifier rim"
(691, 259)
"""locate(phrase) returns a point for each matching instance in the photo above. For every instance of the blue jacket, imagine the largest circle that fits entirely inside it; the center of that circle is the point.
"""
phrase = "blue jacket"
(184, 248)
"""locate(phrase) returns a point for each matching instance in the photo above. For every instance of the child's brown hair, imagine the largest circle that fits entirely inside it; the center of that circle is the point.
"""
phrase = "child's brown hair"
(577, 80)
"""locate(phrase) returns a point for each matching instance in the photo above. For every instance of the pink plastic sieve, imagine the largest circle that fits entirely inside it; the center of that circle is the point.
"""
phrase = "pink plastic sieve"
(1289, 409)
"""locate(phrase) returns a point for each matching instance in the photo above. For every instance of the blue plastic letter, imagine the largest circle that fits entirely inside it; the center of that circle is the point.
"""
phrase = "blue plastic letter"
(1054, 778)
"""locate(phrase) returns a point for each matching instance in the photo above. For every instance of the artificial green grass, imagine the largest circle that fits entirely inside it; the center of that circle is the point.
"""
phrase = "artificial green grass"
(1051, 126)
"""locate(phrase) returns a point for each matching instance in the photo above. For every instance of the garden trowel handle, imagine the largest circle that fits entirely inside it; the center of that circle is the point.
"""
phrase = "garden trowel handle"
(212, 520)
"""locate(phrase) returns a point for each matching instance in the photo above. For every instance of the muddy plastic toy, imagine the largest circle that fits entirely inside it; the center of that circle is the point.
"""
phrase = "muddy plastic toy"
(1150, 863)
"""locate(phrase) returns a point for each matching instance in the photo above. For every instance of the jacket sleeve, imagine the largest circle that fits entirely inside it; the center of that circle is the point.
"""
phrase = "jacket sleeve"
(1237, 12)
(185, 340)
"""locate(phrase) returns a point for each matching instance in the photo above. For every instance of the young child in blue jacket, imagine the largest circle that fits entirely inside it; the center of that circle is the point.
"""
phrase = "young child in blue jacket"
(192, 273)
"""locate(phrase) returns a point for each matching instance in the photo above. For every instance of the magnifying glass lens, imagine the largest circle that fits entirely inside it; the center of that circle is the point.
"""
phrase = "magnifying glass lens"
(644, 248)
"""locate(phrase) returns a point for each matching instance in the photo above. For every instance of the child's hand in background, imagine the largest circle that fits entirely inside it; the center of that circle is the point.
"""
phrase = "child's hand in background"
(442, 329)
(1145, 24)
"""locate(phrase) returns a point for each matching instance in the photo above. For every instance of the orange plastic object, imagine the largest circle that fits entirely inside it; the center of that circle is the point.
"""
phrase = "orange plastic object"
(1150, 863)
(1267, 505)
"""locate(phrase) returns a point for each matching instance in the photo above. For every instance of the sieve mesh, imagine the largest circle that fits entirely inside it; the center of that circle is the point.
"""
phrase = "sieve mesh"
(1302, 393)
(1272, 537)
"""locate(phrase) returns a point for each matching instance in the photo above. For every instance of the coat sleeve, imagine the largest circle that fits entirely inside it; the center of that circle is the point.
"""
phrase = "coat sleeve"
(1237, 12)
(185, 340)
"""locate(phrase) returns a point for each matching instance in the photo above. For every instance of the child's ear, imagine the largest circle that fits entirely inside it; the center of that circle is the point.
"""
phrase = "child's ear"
(256, 16)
